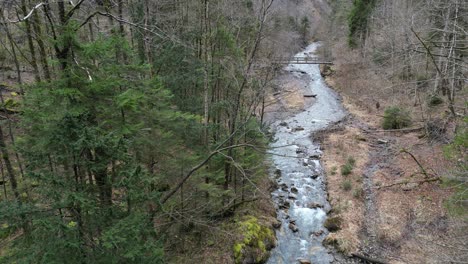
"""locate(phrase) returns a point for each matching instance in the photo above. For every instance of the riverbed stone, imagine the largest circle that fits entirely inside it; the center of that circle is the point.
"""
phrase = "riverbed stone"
(276, 224)
(284, 205)
(294, 190)
(304, 261)
(284, 187)
(318, 233)
(293, 227)
(315, 156)
(277, 173)
(314, 205)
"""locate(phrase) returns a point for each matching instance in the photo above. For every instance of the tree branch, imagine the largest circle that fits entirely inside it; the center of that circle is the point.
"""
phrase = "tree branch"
(28, 15)
(428, 51)
(417, 162)
(197, 167)
(75, 7)
(404, 182)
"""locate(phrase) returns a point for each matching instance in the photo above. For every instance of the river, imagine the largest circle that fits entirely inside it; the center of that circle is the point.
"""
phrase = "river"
(301, 199)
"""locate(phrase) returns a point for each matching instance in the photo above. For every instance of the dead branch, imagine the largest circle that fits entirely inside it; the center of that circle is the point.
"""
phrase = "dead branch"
(428, 51)
(197, 167)
(404, 182)
(417, 162)
(370, 260)
(397, 130)
(28, 15)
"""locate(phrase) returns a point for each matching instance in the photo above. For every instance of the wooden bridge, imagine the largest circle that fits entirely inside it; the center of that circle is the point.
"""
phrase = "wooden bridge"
(302, 60)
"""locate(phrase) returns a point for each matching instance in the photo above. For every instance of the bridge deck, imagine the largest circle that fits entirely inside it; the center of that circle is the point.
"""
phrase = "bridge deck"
(302, 60)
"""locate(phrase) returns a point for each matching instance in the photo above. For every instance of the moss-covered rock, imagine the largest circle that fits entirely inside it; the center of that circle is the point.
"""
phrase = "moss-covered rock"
(257, 241)
(333, 223)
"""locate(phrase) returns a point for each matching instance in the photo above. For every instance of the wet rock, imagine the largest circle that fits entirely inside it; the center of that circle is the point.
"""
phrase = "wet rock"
(276, 224)
(304, 261)
(299, 128)
(294, 190)
(292, 196)
(305, 162)
(284, 187)
(299, 150)
(318, 233)
(284, 205)
(283, 124)
(293, 227)
(315, 156)
(313, 205)
(314, 176)
(277, 173)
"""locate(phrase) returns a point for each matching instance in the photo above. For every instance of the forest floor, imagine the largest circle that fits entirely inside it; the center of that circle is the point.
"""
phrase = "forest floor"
(390, 209)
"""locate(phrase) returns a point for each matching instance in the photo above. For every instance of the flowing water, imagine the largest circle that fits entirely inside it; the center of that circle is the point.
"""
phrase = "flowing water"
(301, 198)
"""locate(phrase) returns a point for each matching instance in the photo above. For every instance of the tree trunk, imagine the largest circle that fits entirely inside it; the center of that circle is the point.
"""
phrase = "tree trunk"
(42, 48)
(9, 167)
(13, 51)
(32, 50)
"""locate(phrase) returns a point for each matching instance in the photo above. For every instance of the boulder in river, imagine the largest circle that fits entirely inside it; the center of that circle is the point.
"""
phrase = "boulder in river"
(276, 224)
(299, 128)
(304, 261)
(318, 233)
(294, 189)
(313, 205)
(284, 205)
(314, 176)
(277, 173)
(315, 156)
(283, 124)
(299, 150)
(293, 227)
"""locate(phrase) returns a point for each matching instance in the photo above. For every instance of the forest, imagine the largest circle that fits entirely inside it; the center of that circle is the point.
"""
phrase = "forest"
(127, 125)
(138, 131)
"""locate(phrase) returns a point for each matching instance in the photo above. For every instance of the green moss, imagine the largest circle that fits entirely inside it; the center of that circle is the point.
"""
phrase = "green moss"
(257, 240)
